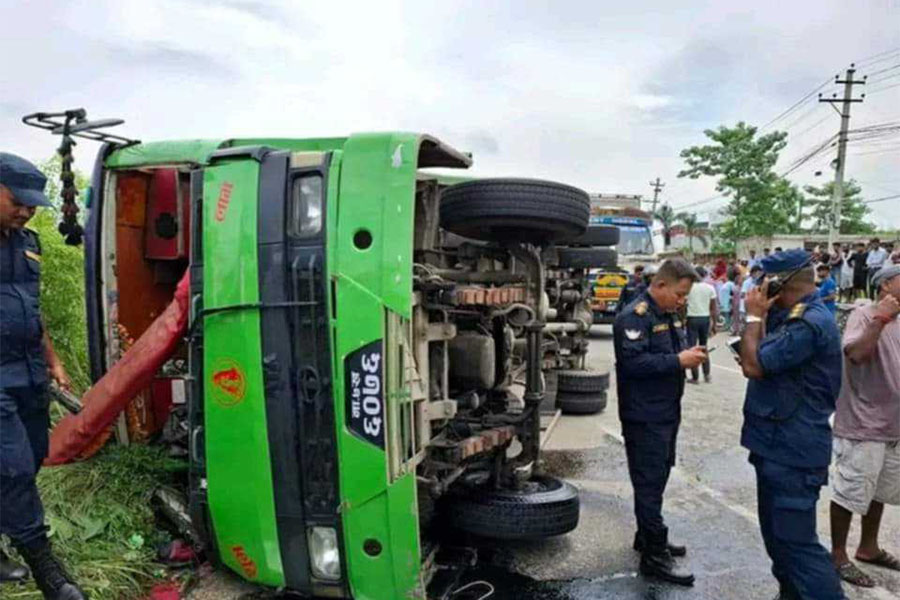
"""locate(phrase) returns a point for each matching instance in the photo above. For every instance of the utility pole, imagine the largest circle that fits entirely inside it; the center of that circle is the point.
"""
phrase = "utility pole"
(837, 195)
(657, 188)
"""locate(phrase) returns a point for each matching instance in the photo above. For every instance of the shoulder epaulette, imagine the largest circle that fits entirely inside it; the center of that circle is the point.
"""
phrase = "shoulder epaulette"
(640, 309)
(797, 311)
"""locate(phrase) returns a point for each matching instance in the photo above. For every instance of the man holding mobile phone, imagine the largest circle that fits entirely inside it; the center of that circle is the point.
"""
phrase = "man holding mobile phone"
(651, 356)
(791, 352)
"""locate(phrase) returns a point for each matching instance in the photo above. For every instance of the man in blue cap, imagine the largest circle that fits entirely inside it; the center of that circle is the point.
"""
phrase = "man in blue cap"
(651, 356)
(791, 352)
(27, 361)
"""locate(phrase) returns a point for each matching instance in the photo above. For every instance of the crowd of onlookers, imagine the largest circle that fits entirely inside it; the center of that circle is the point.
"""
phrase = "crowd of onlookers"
(844, 274)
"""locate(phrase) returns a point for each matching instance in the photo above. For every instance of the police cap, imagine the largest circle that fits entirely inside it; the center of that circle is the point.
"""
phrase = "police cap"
(786, 260)
(23, 179)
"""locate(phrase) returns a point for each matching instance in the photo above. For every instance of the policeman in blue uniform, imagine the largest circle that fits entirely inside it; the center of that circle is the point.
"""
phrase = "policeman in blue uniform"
(791, 353)
(651, 357)
(27, 361)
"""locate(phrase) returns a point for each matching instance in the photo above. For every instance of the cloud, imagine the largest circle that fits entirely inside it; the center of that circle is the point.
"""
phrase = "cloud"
(652, 102)
(601, 95)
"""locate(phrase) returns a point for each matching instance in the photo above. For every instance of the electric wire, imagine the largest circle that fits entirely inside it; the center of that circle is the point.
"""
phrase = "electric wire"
(882, 199)
(874, 59)
(885, 70)
(795, 105)
(881, 89)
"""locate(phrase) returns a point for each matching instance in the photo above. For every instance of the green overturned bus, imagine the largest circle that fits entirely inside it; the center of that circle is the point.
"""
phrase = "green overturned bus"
(364, 360)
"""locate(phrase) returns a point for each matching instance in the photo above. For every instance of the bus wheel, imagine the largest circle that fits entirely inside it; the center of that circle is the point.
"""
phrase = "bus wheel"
(544, 507)
(572, 403)
(515, 210)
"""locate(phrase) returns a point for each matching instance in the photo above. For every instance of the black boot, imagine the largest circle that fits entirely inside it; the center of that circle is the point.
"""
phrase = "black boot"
(676, 551)
(49, 574)
(657, 561)
(11, 571)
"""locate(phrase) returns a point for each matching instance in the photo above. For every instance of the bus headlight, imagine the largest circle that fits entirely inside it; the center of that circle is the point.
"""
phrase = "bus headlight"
(324, 553)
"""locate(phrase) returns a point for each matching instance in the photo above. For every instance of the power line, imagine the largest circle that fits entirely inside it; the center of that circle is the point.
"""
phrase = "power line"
(802, 117)
(699, 202)
(881, 151)
(872, 60)
(885, 70)
(811, 127)
(795, 105)
(882, 199)
(883, 78)
(881, 89)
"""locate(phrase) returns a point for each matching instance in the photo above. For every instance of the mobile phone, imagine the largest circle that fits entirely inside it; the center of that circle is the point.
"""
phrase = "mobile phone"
(734, 344)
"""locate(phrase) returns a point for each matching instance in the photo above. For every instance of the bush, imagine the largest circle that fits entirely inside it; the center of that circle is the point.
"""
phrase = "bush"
(62, 298)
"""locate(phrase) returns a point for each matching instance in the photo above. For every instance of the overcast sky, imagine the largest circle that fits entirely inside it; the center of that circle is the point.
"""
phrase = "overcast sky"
(599, 94)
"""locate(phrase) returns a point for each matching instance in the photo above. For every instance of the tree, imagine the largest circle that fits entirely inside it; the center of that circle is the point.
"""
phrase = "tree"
(692, 229)
(62, 280)
(853, 210)
(762, 202)
(667, 217)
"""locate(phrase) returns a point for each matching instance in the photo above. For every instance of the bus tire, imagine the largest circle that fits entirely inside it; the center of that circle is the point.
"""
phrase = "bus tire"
(581, 382)
(587, 258)
(545, 507)
(515, 210)
(571, 403)
(597, 235)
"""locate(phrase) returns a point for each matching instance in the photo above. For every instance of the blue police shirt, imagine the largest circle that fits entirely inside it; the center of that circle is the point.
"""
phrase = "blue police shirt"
(649, 377)
(22, 361)
(786, 412)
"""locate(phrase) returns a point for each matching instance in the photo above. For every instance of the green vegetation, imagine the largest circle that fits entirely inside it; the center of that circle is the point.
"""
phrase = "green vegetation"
(62, 297)
(101, 521)
(693, 229)
(666, 215)
(763, 202)
(853, 210)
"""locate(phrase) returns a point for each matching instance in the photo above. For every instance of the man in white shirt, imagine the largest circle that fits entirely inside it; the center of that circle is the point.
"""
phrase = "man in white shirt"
(748, 283)
(753, 260)
(702, 314)
(874, 261)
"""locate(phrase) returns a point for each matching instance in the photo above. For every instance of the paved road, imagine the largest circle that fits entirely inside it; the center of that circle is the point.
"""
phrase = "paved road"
(710, 505)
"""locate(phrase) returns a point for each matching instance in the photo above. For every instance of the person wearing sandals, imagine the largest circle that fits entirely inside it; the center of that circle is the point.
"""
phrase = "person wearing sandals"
(867, 429)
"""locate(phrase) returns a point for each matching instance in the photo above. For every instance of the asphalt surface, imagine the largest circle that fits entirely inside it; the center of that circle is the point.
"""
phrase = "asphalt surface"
(710, 505)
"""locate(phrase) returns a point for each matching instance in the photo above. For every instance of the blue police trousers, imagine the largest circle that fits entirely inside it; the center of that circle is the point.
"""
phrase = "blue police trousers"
(24, 438)
(786, 499)
(650, 448)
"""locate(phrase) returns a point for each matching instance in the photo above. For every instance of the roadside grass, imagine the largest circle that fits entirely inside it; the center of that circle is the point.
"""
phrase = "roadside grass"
(101, 521)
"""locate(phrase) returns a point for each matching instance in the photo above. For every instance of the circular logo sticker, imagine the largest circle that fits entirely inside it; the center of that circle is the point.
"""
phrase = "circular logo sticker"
(228, 382)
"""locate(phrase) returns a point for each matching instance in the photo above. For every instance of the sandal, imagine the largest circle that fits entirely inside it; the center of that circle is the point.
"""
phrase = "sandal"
(852, 574)
(883, 559)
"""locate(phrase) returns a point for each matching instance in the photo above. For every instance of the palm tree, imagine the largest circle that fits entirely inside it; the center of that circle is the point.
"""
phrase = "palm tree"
(692, 229)
(667, 217)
